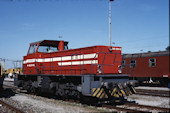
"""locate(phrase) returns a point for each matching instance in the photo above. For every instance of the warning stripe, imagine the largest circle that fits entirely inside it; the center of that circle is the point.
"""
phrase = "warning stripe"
(116, 95)
(96, 91)
(100, 93)
(130, 93)
(123, 92)
(127, 93)
(133, 90)
(113, 91)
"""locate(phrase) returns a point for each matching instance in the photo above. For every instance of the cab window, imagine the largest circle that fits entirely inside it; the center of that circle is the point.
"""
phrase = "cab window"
(32, 49)
(47, 49)
(65, 47)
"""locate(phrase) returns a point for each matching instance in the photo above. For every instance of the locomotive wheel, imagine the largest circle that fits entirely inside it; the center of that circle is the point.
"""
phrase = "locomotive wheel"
(27, 86)
(20, 83)
(37, 91)
(62, 94)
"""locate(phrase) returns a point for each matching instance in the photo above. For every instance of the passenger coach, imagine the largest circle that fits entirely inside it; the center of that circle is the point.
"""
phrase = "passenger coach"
(150, 66)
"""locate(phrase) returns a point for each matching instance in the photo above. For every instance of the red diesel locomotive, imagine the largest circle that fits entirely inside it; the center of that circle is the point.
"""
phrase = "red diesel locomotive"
(90, 72)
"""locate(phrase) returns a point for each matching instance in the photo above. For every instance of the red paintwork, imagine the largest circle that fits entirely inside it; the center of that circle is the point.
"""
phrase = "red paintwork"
(143, 69)
(108, 59)
(61, 45)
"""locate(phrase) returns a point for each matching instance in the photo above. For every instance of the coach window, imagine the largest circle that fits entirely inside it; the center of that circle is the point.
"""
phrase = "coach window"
(133, 63)
(152, 62)
(123, 63)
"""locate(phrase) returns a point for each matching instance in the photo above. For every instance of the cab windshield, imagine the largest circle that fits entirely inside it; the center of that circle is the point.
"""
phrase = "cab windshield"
(32, 49)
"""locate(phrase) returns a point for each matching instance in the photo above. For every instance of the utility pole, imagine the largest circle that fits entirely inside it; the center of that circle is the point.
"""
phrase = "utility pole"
(110, 1)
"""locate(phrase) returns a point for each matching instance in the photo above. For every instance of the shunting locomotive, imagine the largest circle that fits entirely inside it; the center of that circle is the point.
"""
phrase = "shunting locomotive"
(91, 72)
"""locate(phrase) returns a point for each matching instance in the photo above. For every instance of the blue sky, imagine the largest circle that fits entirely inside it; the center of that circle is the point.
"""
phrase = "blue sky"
(136, 24)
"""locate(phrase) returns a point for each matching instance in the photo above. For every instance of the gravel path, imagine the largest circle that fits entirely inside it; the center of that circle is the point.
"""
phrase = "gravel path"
(37, 104)
(151, 100)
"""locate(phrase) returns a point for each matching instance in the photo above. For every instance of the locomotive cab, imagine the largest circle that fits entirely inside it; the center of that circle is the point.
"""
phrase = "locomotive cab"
(47, 46)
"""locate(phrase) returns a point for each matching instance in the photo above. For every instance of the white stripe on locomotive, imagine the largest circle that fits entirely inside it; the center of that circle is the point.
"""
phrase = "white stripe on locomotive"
(65, 58)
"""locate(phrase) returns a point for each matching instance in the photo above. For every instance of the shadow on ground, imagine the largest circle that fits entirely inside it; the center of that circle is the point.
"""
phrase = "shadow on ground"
(6, 93)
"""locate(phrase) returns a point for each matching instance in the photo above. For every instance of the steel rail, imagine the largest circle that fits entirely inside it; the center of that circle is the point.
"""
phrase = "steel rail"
(153, 92)
(2, 111)
(148, 107)
(124, 109)
(11, 107)
(111, 107)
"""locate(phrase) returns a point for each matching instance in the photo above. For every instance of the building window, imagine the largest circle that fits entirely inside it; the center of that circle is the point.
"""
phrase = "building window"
(133, 63)
(152, 62)
(123, 63)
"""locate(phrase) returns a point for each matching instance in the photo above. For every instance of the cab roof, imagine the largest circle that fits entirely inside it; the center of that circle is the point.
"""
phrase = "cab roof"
(52, 43)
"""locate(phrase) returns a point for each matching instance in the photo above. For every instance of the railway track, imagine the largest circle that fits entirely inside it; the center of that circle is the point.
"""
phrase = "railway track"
(131, 107)
(122, 109)
(148, 107)
(153, 92)
(127, 107)
(12, 108)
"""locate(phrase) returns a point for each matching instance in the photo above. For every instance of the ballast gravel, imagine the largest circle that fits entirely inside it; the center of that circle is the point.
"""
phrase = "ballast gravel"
(163, 102)
(37, 104)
